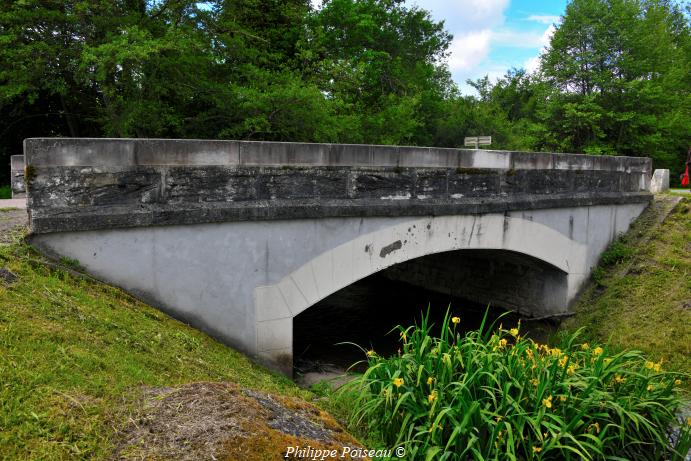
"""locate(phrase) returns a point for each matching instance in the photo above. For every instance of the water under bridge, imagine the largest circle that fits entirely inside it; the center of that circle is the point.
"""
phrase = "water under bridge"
(238, 238)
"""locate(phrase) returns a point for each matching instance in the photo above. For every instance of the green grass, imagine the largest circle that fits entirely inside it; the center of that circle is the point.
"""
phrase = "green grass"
(5, 192)
(492, 394)
(642, 295)
(74, 354)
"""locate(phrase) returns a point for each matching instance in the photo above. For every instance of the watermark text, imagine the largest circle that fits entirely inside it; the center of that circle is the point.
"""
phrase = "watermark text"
(346, 452)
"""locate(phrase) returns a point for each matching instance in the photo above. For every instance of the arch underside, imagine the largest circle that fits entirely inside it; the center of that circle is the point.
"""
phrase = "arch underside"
(561, 260)
(500, 278)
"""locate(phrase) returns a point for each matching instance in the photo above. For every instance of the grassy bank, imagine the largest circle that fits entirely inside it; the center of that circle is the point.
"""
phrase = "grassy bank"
(74, 354)
(641, 293)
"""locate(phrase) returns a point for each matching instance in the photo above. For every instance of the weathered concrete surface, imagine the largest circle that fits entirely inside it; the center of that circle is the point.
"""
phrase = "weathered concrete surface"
(87, 184)
(151, 152)
(660, 182)
(17, 176)
(245, 281)
(224, 236)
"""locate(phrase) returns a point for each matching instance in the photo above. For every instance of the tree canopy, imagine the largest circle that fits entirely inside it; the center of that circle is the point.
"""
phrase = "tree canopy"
(614, 80)
(621, 70)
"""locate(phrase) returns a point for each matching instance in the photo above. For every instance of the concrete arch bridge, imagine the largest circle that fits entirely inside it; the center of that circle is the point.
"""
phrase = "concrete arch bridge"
(237, 238)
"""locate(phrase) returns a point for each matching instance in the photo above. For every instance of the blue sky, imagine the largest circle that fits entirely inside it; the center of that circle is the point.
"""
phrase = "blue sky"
(492, 36)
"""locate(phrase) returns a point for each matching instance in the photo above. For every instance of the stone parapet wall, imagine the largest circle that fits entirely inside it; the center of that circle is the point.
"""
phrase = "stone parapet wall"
(17, 176)
(87, 184)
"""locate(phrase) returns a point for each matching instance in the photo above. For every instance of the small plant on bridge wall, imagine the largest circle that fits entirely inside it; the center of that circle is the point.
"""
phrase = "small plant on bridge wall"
(29, 173)
(493, 394)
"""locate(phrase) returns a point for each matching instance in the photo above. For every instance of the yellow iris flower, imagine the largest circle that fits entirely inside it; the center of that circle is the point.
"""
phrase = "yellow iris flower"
(547, 402)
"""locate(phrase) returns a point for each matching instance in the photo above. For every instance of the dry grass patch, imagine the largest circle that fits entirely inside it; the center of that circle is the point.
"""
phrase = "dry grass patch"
(224, 422)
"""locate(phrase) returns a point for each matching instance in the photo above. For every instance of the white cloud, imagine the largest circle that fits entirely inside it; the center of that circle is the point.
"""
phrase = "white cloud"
(470, 50)
(472, 23)
(479, 27)
(523, 39)
(547, 35)
(543, 18)
(480, 13)
(532, 64)
(464, 16)
(495, 72)
(467, 51)
(517, 39)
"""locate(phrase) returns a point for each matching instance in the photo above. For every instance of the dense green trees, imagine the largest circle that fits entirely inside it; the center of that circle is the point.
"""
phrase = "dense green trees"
(615, 79)
(380, 59)
(621, 70)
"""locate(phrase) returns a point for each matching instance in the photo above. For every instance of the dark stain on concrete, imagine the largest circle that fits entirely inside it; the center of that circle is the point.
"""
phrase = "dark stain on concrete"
(385, 251)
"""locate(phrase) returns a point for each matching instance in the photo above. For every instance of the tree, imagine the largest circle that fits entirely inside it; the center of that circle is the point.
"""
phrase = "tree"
(382, 60)
(156, 68)
(620, 70)
(615, 79)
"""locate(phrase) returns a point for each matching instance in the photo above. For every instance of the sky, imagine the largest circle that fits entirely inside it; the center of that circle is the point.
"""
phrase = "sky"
(492, 36)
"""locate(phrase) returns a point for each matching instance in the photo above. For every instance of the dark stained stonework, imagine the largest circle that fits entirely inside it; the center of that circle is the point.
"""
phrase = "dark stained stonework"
(91, 184)
(54, 187)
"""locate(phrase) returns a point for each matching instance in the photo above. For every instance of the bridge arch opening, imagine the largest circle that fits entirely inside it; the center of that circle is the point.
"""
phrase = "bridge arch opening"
(406, 250)
(469, 280)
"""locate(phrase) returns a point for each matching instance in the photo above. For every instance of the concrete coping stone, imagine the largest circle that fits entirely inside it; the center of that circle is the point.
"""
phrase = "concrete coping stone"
(114, 152)
(17, 162)
(659, 182)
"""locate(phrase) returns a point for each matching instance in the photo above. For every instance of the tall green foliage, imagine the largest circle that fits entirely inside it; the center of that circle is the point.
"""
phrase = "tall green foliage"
(621, 73)
(492, 394)
(380, 59)
(615, 79)
(354, 71)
